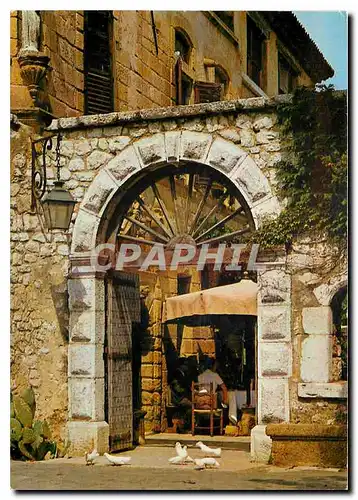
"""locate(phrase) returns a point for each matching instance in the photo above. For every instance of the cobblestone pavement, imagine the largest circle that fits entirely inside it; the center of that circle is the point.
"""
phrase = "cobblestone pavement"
(150, 470)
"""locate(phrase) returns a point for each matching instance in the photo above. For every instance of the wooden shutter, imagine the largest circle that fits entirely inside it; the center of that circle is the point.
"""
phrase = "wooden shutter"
(207, 92)
(178, 82)
(97, 62)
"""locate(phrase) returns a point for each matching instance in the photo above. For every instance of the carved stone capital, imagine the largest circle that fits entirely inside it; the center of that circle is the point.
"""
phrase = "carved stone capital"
(33, 67)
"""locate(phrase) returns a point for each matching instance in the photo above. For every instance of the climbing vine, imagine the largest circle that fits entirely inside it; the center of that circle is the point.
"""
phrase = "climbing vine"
(312, 176)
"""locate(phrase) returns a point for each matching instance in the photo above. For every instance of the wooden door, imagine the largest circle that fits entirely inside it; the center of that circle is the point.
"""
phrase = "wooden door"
(123, 309)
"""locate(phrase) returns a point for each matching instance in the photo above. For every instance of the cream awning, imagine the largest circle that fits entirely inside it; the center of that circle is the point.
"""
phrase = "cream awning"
(239, 298)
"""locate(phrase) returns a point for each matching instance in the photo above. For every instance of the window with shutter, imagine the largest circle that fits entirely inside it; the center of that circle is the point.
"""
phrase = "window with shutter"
(183, 84)
(207, 92)
(97, 62)
(254, 51)
(286, 76)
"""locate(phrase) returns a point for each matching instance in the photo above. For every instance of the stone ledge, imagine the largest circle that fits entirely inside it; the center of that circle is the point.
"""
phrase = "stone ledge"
(337, 390)
(317, 445)
(307, 431)
(169, 112)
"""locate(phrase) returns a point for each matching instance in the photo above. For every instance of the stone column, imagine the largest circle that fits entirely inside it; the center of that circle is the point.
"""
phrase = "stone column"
(30, 31)
(316, 355)
(86, 384)
(274, 356)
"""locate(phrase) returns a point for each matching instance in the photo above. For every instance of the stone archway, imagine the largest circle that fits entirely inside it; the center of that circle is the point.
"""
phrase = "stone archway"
(86, 287)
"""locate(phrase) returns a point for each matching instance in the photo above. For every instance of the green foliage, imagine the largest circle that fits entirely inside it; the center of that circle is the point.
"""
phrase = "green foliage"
(23, 412)
(28, 440)
(313, 174)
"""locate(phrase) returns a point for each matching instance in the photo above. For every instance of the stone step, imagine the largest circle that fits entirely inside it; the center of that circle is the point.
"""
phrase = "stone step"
(167, 439)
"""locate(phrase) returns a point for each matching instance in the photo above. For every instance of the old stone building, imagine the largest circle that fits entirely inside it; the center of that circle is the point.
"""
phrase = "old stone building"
(137, 96)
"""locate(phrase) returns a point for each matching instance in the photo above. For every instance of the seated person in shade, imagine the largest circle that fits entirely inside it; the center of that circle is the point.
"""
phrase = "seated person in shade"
(209, 375)
(180, 393)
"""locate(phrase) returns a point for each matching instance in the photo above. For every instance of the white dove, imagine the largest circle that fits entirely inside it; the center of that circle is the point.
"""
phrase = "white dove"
(90, 457)
(209, 452)
(117, 460)
(202, 463)
(181, 451)
(180, 460)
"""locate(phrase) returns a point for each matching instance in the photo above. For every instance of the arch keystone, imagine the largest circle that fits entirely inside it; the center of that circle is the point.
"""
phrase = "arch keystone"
(194, 146)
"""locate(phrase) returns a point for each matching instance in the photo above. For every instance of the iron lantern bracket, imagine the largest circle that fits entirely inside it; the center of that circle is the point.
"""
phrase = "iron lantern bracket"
(39, 147)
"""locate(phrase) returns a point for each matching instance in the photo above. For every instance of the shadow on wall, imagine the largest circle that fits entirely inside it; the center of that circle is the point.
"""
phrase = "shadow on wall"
(59, 295)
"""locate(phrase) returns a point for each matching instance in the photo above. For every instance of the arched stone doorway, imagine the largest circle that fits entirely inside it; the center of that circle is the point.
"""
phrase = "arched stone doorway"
(94, 226)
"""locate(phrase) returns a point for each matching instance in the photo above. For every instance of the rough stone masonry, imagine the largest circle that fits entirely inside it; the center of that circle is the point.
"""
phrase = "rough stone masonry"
(298, 380)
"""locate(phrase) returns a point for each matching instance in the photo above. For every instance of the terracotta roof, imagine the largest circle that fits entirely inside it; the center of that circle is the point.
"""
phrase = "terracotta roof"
(294, 36)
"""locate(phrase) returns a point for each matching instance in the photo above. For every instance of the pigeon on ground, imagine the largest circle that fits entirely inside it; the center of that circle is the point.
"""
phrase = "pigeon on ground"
(209, 452)
(177, 460)
(90, 457)
(117, 460)
(202, 463)
(181, 450)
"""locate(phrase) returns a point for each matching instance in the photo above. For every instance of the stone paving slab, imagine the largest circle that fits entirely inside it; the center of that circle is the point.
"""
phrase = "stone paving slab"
(157, 458)
(56, 475)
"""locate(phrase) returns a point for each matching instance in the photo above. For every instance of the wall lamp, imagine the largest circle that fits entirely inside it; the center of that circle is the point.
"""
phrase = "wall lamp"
(58, 203)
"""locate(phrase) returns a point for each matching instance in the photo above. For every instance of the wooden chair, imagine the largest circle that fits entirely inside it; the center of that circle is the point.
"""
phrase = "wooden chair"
(203, 404)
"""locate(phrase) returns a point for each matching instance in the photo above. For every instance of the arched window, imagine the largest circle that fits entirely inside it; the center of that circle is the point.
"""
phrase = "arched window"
(222, 78)
(183, 83)
(98, 62)
(183, 45)
(339, 306)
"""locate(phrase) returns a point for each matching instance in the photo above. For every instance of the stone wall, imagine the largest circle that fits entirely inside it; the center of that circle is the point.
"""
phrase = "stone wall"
(142, 77)
(242, 140)
(39, 311)
(317, 393)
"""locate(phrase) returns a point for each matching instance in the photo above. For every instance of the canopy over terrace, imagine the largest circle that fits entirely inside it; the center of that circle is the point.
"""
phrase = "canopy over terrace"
(236, 299)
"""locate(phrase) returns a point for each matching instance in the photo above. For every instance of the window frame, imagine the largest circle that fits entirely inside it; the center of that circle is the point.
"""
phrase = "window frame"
(254, 34)
(87, 66)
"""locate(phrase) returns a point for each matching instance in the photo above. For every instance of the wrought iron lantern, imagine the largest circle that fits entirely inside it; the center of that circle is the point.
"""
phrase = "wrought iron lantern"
(58, 204)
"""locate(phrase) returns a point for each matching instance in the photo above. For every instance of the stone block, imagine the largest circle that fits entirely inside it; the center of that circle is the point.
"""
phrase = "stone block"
(247, 138)
(265, 136)
(172, 145)
(231, 134)
(85, 231)
(260, 446)
(99, 193)
(194, 146)
(275, 359)
(316, 358)
(268, 208)
(118, 143)
(251, 180)
(224, 155)
(336, 390)
(85, 360)
(151, 149)
(274, 287)
(123, 164)
(85, 398)
(151, 385)
(265, 122)
(273, 400)
(97, 159)
(84, 436)
(313, 445)
(82, 147)
(317, 320)
(274, 323)
(85, 294)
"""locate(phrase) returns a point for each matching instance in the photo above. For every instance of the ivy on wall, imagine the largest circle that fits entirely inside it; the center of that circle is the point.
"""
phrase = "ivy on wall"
(312, 176)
